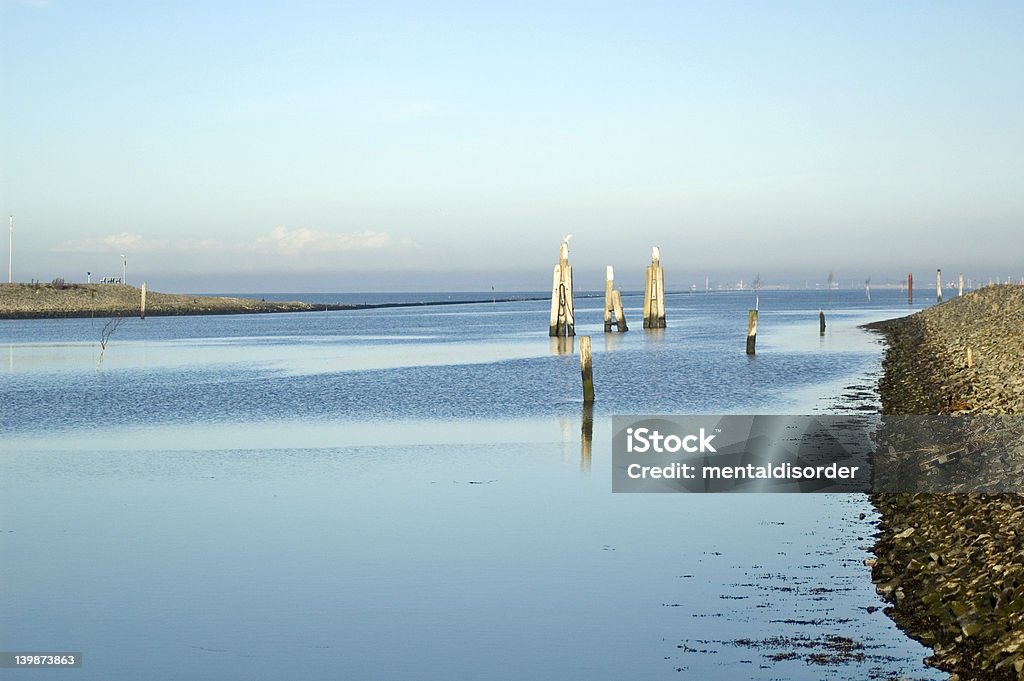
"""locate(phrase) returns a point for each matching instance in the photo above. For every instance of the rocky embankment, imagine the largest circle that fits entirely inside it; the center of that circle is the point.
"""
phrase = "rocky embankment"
(952, 565)
(31, 301)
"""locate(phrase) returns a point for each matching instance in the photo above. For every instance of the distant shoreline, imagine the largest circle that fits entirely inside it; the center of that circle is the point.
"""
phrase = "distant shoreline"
(49, 301)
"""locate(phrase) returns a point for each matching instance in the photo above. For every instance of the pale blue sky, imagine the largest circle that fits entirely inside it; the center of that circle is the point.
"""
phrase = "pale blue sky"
(298, 145)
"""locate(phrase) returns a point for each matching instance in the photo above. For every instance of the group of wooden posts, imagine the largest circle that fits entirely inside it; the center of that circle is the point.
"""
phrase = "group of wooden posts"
(563, 323)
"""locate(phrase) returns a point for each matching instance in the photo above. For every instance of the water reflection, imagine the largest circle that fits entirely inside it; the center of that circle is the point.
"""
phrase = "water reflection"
(562, 345)
(655, 336)
(612, 341)
(586, 437)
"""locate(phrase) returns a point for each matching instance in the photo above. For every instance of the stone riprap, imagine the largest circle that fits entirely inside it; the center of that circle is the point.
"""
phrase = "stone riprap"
(952, 565)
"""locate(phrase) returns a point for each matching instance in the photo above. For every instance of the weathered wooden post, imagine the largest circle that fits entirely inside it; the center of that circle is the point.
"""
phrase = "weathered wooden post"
(142, 310)
(609, 282)
(562, 322)
(751, 331)
(821, 322)
(586, 370)
(970, 357)
(960, 286)
(612, 303)
(938, 285)
(910, 289)
(620, 316)
(654, 293)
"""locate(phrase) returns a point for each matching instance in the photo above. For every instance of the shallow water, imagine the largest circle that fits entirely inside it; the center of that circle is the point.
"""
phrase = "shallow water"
(403, 494)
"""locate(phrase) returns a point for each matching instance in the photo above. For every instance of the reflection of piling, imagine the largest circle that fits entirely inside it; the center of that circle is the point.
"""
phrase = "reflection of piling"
(586, 435)
(562, 345)
(654, 293)
(821, 322)
(751, 331)
(613, 303)
(562, 323)
(910, 289)
(142, 306)
(938, 286)
(586, 370)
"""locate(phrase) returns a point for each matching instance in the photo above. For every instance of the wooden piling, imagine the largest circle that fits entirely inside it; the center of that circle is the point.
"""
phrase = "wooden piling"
(586, 370)
(562, 322)
(970, 357)
(654, 293)
(612, 303)
(938, 285)
(620, 316)
(609, 281)
(910, 289)
(751, 331)
(960, 286)
(142, 306)
(821, 322)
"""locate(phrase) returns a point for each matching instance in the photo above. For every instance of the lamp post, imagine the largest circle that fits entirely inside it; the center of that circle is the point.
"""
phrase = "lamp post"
(124, 268)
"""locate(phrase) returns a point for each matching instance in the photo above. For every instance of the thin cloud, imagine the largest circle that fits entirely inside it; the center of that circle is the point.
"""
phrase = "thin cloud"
(122, 241)
(295, 243)
(299, 242)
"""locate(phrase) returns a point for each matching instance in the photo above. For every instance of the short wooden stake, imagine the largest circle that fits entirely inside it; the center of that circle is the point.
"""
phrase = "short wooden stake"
(586, 370)
(562, 322)
(142, 308)
(620, 316)
(751, 331)
(654, 293)
(960, 286)
(970, 357)
(910, 289)
(821, 322)
(938, 286)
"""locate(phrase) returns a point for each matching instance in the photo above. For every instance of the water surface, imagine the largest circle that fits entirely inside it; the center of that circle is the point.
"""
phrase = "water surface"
(403, 493)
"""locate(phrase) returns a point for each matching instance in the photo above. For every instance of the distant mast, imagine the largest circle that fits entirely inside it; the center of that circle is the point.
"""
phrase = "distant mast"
(10, 251)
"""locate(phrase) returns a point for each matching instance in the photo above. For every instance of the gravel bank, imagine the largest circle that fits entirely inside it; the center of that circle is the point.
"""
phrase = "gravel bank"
(29, 301)
(952, 565)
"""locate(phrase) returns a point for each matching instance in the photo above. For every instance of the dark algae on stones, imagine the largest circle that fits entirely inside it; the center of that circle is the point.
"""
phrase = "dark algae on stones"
(952, 565)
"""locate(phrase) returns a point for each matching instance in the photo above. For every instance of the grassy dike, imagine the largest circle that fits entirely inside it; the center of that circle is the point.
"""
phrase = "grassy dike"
(952, 565)
(35, 301)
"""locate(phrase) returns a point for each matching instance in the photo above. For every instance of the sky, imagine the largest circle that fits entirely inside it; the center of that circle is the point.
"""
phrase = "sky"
(350, 146)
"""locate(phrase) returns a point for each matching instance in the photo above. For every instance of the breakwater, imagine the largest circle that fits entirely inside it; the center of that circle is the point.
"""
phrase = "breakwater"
(952, 565)
(36, 301)
(45, 301)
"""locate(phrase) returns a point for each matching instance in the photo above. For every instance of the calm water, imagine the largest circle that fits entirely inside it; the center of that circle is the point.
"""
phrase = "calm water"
(402, 493)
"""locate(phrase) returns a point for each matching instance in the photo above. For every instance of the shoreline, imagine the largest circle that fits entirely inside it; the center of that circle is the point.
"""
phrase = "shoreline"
(951, 565)
(69, 301)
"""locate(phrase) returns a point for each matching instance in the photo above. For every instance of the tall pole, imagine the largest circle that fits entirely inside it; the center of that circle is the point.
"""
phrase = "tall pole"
(10, 252)
(124, 268)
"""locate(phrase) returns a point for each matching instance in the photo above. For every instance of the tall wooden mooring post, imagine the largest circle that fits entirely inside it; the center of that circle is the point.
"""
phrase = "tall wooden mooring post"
(562, 321)
(613, 303)
(654, 293)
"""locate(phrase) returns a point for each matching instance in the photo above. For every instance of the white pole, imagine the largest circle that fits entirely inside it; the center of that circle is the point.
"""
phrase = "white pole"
(10, 253)
(124, 268)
